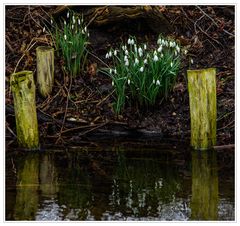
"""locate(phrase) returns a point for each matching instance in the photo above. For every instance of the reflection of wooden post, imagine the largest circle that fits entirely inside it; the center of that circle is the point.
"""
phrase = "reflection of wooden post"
(23, 89)
(202, 97)
(27, 189)
(45, 69)
(48, 176)
(204, 201)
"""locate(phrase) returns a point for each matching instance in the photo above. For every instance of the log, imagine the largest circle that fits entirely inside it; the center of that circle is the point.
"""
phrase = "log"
(202, 98)
(23, 89)
(45, 69)
(98, 16)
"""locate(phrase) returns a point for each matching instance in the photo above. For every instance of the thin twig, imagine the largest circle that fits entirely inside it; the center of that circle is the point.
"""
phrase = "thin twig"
(214, 21)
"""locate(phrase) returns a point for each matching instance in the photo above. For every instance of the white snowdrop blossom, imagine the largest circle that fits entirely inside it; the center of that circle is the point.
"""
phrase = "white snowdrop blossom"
(177, 48)
(85, 29)
(68, 15)
(141, 69)
(110, 70)
(145, 61)
(125, 58)
(79, 21)
(127, 63)
(160, 49)
(112, 83)
(43, 29)
(171, 64)
(140, 51)
(51, 21)
(154, 81)
(191, 61)
(110, 54)
(107, 56)
(124, 48)
(158, 82)
(115, 52)
(155, 52)
(136, 61)
(145, 46)
(88, 34)
(126, 52)
(65, 23)
(132, 41)
(185, 52)
(174, 44)
(128, 81)
(155, 58)
(65, 37)
(175, 52)
(115, 71)
(159, 41)
(72, 26)
(129, 41)
(161, 55)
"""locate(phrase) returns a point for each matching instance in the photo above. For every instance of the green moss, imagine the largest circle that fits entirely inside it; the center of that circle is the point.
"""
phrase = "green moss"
(202, 97)
(23, 89)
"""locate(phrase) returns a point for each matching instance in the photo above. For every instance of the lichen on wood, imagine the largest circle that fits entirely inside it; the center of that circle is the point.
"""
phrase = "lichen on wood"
(23, 89)
(203, 112)
(45, 69)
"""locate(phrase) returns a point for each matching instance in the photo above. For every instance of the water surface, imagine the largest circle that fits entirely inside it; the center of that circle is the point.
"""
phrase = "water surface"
(119, 183)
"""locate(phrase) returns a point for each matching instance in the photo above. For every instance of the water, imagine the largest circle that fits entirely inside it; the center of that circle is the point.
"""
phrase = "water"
(119, 183)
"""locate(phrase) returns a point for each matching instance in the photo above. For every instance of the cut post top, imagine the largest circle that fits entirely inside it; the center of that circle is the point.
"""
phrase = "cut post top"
(44, 48)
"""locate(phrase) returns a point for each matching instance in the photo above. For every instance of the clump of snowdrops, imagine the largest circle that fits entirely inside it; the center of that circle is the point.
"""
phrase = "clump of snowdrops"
(71, 40)
(142, 75)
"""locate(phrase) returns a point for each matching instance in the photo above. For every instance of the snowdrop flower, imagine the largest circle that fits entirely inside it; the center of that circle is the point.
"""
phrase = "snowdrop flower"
(175, 52)
(110, 70)
(65, 23)
(154, 81)
(155, 52)
(72, 26)
(155, 58)
(191, 61)
(127, 63)
(125, 58)
(107, 56)
(160, 49)
(124, 48)
(136, 61)
(145, 61)
(132, 41)
(140, 51)
(51, 21)
(68, 15)
(83, 32)
(158, 82)
(43, 29)
(115, 71)
(65, 37)
(129, 41)
(85, 29)
(110, 54)
(79, 21)
(171, 64)
(145, 46)
(177, 48)
(88, 34)
(141, 69)
(128, 81)
(185, 52)
(166, 43)
(115, 52)
(174, 44)
(161, 55)
(126, 52)
(159, 41)
(112, 83)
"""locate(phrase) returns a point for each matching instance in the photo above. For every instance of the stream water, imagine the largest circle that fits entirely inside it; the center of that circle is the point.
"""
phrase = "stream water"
(119, 183)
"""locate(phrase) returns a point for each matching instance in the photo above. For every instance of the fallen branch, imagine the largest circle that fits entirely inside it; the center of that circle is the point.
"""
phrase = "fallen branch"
(223, 147)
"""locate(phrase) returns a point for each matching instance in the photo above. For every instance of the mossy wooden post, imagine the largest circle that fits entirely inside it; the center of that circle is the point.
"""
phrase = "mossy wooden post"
(45, 69)
(23, 89)
(202, 97)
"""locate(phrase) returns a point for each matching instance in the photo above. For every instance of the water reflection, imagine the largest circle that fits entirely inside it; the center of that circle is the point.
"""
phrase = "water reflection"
(204, 202)
(116, 185)
(27, 189)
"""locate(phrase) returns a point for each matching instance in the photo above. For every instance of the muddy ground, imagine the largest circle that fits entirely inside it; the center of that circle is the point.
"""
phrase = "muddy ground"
(206, 31)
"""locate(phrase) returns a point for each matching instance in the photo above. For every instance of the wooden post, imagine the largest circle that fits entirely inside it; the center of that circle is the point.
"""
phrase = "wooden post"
(45, 69)
(202, 98)
(23, 89)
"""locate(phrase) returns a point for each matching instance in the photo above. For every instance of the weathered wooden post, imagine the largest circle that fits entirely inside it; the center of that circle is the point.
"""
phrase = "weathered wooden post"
(45, 69)
(202, 97)
(23, 89)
